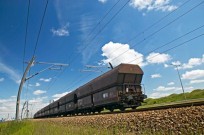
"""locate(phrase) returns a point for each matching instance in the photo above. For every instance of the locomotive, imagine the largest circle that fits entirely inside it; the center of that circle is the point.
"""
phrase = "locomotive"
(119, 88)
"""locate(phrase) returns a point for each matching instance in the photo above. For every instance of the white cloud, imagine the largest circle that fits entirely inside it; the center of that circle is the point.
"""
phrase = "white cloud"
(8, 105)
(114, 53)
(194, 74)
(13, 96)
(158, 95)
(39, 92)
(102, 1)
(176, 63)
(166, 65)
(10, 72)
(163, 88)
(63, 31)
(37, 84)
(158, 58)
(45, 80)
(170, 83)
(2, 79)
(156, 5)
(162, 91)
(192, 62)
(57, 96)
(196, 81)
(156, 76)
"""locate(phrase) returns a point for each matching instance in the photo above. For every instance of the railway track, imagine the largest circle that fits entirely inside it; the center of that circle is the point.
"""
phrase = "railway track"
(185, 117)
(178, 104)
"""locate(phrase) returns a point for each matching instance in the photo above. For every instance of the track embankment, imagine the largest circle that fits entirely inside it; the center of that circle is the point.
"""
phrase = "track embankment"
(185, 120)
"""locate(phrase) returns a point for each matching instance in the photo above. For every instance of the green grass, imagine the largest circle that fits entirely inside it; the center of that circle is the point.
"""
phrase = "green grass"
(196, 94)
(30, 127)
(15, 128)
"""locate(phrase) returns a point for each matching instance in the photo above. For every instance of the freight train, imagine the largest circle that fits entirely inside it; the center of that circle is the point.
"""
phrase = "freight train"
(119, 88)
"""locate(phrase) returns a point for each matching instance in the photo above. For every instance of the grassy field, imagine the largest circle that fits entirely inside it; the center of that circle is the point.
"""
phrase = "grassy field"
(29, 127)
(152, 122)
(175, 97)
(187, 121)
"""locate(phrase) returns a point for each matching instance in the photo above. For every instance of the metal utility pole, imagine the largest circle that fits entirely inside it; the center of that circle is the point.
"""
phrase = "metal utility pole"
(176, 66)
(23, 110)
(52, 67)
(21, 86)
(27, 110)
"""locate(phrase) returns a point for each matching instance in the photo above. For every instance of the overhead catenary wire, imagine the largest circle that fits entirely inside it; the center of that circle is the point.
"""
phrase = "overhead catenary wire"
(154, 24)
(172, 22)
(36, 44)
(26, 33)
(157, 48)
(183, 43)
(99, 22)
(197, 28)
(89, 43)
(56, 78)
(74, 58)
(77, 81)
(107, 23)
(108, 12)
(152, 34)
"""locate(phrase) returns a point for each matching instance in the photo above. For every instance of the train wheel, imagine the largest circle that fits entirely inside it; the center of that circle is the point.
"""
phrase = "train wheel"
(111, 109)
(122, 108)
(133, 108)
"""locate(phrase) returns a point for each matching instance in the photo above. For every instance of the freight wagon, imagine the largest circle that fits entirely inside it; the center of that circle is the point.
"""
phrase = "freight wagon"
(119, 88)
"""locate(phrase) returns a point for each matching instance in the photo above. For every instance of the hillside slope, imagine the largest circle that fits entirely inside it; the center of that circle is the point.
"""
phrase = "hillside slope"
(195, 94)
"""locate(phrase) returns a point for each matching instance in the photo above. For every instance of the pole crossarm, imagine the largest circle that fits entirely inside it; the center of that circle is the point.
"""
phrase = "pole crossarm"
(38, 73)
(91, 71)
(24, 79)
(50, 63)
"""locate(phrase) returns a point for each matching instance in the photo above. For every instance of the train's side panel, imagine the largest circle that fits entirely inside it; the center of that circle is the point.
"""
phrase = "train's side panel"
(85, 102)
(108, 79)
(106, 97)
(70, 106)
(69, 102)
(84, 90)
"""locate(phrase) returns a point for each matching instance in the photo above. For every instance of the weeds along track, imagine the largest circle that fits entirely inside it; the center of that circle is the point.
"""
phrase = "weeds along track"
(185, 120)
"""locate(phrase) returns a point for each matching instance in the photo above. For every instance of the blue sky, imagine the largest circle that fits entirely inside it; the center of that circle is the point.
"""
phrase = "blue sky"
(83, 33)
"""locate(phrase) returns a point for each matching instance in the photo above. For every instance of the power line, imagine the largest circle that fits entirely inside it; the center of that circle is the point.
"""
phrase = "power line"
(172, 41)
(152, 34)
(155, 23)
(26, 32)
(98, 24)
(101, 29)
(103, 17)
(73, 84)
(74, 58)
(108, 23)
(36, 44)
(183, 43)
(56, 78)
